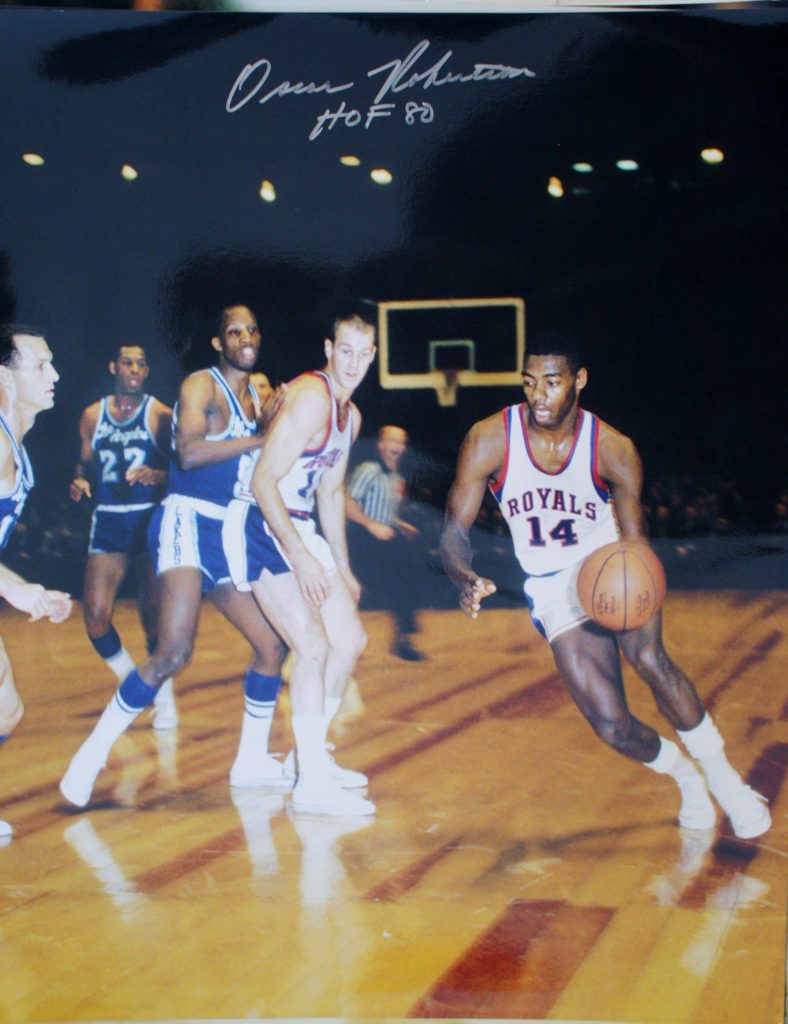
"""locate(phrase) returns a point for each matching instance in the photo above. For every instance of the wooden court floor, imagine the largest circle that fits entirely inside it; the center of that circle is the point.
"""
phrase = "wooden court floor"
(516, 869)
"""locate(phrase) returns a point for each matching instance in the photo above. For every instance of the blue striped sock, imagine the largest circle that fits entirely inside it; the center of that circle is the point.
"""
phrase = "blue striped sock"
(260, 693)
(134, 693)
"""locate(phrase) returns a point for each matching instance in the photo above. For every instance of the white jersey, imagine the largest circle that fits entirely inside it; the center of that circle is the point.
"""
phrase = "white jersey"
(299, 484)
(556, 519)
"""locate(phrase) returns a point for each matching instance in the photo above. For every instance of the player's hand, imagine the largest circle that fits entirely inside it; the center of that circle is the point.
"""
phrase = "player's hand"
(353, 585)
(312, 579)
(408, 530)
(382, 532)
(271, 406)
(146, 475)
(28, 597)
(60, 606)
(472, 593)
(79, 488)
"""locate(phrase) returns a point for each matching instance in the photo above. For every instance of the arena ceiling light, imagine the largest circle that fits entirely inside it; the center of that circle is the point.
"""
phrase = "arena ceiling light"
(350, 161)
(555, 187)
(33, 159)
(712, 155)
(128, 173)
(267, 191)
(381, 176)
(627, 165)
(582, 167)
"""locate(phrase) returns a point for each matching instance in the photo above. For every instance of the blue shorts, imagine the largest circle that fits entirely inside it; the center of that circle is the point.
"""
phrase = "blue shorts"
(116, 530)
(187, 533)
(252, 548)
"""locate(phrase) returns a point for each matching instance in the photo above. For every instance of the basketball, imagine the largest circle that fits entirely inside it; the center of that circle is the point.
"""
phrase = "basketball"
(621, 585)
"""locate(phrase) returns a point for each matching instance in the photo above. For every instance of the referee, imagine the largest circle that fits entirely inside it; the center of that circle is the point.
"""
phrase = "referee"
(383, 547)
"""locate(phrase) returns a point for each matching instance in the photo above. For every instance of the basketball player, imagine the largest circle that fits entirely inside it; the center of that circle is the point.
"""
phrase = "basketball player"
(557, 473)
(27, 387)
(302, 580)
(124, 445)
(214, 424)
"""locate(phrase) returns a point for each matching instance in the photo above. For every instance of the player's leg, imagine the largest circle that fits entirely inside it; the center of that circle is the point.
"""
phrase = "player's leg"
(679, 702)
(403, 565)
(11, 711)
(588, 660)
(179, 610)
(347, 639)
(104, 574)
(301, 628)
(253, 765)
(165, 711)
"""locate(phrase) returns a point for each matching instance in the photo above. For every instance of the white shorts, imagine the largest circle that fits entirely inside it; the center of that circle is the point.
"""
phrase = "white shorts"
(553, 601)
(251, 547)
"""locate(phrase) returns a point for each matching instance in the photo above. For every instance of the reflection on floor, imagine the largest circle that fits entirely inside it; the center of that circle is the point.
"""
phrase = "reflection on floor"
(516, 869)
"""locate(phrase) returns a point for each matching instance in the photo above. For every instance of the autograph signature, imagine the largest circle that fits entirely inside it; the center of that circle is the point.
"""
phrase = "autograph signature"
(401, 74)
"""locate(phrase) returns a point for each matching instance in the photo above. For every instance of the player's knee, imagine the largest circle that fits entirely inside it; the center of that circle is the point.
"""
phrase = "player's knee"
(270, 657)
(312, 647)
(616, 732)
(649, 661)
(97, 621)
(170, 658)
(351, 642)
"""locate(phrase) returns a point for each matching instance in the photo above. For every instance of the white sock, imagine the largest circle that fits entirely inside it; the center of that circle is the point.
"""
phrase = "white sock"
(121, 663)
(165, 693)
(254, 737)
(706, 745)
(310, 737)
(671, 761)
(114, 721)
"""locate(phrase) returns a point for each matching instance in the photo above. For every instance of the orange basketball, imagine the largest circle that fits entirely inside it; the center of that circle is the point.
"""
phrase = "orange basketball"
(621, 585)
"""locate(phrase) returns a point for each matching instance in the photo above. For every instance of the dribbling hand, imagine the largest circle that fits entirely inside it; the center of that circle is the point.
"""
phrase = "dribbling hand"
(472, 593)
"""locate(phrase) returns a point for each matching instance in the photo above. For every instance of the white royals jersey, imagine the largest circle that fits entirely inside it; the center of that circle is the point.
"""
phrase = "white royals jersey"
(556, 519)
(299, 484)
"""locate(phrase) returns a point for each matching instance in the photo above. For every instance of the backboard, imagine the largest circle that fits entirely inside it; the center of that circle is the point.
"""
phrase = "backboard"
(445, 344)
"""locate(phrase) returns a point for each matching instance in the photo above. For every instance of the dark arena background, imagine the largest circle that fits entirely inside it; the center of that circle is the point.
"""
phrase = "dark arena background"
(622, 175)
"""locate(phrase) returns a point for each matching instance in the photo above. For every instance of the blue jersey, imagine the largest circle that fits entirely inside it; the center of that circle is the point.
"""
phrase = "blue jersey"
(121, 446)
(214, 483)
(11, 504)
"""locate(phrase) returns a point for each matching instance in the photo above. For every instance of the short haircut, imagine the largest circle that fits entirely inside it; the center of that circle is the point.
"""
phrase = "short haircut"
(221, 320)
(115, 352)
(8, 349)
(362, 312)
(556, 343)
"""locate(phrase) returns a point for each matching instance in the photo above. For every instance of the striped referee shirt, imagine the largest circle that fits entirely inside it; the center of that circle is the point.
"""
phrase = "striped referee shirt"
(378, 491)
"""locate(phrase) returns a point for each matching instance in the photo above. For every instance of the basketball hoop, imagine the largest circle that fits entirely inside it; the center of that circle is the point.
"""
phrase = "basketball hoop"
(446, 386)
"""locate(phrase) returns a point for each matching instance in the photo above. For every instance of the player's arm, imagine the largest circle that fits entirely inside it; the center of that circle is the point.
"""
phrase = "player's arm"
(161, 428)
(331, 506)
(304, 415)
(32, 598)
(620, 467)
(80, 484)
(197, 405)
(481, 456)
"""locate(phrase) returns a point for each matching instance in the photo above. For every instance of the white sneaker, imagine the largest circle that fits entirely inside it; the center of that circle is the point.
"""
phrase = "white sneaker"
(747, 810)
(266, 771)
(165, 714)
(324, 796)
(697, 810)
(77, 784)
(347, 778)
(6, 829)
